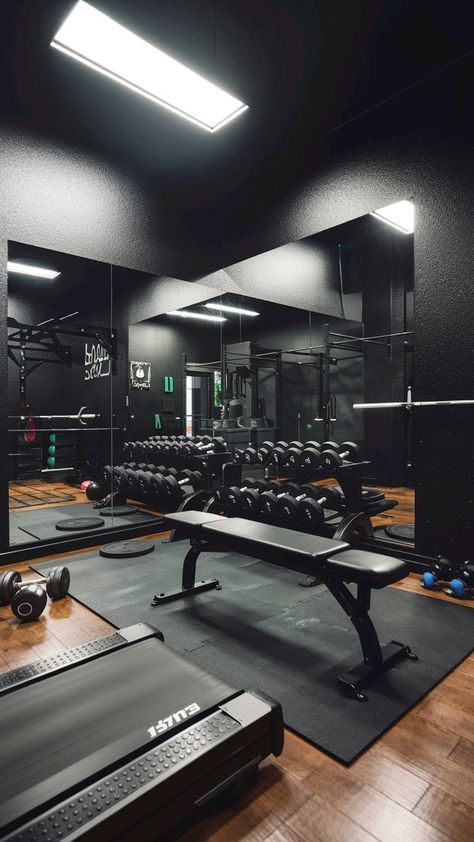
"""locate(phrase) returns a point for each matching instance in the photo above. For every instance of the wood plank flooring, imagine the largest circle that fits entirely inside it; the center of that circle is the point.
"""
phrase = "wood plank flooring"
(415, 784)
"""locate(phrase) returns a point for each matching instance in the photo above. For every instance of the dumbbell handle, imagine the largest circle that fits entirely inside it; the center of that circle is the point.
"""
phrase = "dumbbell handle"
(302, 496)
(344, 453)
(25, 584)
(205, 447)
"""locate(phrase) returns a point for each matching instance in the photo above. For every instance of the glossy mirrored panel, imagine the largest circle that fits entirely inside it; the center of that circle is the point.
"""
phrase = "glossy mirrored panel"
(255, 370)
(67, 392)
(102, 356)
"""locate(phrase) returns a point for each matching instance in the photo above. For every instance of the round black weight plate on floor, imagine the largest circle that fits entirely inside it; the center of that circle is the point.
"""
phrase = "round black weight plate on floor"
(77, 523)
(401, 531)
(126, 549)
(57, 585)
(118, 511)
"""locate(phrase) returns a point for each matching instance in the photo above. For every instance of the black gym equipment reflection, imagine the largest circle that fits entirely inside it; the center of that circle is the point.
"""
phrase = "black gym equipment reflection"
(41, 344)
(331, 560)
(170, 738)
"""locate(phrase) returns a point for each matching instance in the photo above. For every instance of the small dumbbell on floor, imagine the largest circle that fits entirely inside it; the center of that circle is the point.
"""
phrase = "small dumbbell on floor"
(28, 599)
(462, 587)
(331, 457)
(442, 571)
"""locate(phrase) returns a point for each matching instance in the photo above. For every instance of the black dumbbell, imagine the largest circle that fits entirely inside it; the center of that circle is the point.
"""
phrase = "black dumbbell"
(288, 504)
(278, 453)
(28, 599)
(144, 477)
(310, 455)
(232, 500)
(206, 445)
(332, 458)
(174, 489)
(310, 509)
(329, 445)
(250, 456)
(292, 456)
(264, 451)
(267, 505)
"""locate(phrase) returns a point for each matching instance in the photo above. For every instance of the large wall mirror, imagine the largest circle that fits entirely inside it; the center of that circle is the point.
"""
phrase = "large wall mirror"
(252, 370)
(67, 393)
(294, 346)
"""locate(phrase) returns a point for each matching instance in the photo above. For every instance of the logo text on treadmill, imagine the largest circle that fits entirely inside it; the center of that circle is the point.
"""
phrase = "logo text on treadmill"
(173, 719)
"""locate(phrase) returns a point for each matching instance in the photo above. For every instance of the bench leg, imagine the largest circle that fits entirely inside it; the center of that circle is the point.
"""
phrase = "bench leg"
(377, 658)
(189, 586)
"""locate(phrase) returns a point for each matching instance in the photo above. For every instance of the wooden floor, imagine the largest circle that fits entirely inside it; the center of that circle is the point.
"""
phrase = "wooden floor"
(415, 783)
(46, 488)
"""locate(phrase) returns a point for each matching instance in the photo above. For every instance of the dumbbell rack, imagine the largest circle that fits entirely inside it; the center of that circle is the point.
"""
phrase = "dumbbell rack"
(209, 465)
(348, 476)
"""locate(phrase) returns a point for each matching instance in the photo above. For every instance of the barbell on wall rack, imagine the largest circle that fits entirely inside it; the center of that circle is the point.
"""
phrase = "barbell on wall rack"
(80, 416)
(410, 404)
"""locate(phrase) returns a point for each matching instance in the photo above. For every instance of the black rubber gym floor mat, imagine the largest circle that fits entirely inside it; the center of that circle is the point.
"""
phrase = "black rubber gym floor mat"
(264, 631)
(41, 524)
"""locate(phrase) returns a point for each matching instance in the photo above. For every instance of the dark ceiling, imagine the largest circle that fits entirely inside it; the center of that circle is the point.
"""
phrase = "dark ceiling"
(303, 67)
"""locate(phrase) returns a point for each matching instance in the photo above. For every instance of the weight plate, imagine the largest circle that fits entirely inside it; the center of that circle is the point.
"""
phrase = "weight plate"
(29, 602)
(401, 531)
(8, 581)
(126, 549)
(57, 585)
(78, 523)
(118, 511)
(309, 458)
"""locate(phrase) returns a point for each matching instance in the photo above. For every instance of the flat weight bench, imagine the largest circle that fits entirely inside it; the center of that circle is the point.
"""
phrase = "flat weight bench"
(333, 562)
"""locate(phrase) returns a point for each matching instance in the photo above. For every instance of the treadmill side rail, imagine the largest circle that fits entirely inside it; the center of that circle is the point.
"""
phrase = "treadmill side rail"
(72, 657)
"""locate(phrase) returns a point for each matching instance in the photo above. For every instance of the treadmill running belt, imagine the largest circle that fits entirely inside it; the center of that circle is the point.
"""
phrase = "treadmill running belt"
(55, 730)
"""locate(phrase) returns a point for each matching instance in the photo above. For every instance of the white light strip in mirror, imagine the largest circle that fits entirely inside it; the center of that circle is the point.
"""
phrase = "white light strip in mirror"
(225, 308)
(400, 215)
(34, 271)
(183, 315)
(96, 40)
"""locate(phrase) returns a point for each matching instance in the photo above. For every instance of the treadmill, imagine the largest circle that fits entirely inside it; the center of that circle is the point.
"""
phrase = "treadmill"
(123, 737)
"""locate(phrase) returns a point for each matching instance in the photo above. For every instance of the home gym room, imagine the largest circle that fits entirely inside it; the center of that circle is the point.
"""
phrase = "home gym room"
(236, 413)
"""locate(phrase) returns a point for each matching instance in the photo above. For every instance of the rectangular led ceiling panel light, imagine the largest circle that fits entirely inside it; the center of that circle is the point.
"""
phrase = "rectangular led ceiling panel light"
(34, 271)
(227, 309)
(400, 215)
(99, 42)
(183, 315)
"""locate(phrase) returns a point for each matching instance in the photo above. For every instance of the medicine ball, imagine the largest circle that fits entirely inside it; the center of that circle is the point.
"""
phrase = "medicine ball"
(95, 491)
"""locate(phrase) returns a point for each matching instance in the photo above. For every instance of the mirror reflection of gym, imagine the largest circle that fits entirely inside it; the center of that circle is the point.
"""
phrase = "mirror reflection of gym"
(252, 373)
(65, 357)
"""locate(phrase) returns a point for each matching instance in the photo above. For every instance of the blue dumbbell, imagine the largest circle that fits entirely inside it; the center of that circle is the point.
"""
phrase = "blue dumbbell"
(442, 571)
(462, 586)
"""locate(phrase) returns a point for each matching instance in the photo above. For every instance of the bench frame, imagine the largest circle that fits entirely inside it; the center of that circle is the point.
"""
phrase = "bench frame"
(377, 658)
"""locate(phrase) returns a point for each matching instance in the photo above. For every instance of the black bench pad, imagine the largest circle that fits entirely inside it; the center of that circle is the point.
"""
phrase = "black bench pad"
(367, 568)
(191, 518)
(273, 537)
(186, 524)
